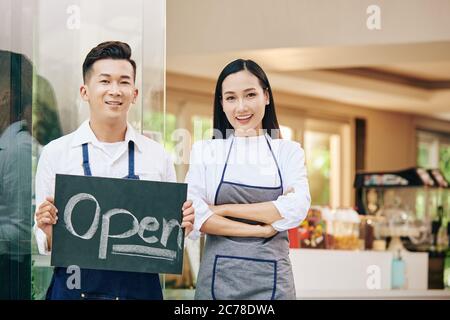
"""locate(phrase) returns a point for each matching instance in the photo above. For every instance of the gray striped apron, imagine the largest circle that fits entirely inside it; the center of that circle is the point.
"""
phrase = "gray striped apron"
(246, 268)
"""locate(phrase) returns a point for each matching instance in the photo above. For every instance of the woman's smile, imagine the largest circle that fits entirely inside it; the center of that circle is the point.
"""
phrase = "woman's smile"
(244, 119)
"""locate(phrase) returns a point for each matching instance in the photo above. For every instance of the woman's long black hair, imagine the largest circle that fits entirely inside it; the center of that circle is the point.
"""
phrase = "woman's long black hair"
(221, 123)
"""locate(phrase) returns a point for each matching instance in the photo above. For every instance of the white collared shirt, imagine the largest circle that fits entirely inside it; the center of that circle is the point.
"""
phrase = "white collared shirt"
(65, 156)
(250, 163)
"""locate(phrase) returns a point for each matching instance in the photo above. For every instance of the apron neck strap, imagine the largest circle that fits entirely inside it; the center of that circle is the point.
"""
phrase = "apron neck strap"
(226, 160)
(271, 151)
(131, 161)
(276, 162)
(87, 167)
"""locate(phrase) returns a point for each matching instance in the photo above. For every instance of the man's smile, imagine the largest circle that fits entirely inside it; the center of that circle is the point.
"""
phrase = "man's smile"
(114, 103)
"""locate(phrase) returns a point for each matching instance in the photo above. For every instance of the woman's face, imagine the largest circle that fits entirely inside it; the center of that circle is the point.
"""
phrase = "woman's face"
(244, 102)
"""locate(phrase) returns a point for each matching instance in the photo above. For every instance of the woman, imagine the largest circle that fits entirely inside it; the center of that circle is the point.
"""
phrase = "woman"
(248, 187)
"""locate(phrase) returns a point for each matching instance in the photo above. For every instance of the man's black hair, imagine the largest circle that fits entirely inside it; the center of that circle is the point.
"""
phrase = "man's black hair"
(108, 50)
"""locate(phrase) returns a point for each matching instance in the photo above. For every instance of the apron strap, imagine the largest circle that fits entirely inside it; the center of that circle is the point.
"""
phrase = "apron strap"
(86, 167)
(276, 162)
(226, 164)
(223, 172)
(226, 161)
(131, 174)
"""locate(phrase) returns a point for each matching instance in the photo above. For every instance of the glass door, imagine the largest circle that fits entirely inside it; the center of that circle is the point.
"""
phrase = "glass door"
(43, 45)
(327, 147)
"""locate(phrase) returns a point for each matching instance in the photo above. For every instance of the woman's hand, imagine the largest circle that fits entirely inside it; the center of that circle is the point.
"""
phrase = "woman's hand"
(264, 231)
(225, 209)
(268, 231)
(188, 217)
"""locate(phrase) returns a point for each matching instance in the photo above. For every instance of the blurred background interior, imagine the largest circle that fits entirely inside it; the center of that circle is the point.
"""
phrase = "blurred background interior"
(370, 106)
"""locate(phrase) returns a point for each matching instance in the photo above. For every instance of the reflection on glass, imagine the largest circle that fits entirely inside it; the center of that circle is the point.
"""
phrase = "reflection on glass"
(65, 30)
(160, 126)
(15, 175)
(202, 128)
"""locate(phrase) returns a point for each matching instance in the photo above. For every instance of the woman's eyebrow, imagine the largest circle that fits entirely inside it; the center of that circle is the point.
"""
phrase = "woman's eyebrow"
(245, 90)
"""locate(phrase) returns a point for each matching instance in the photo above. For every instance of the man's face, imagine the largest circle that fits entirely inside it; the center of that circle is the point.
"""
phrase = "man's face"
(109, 90)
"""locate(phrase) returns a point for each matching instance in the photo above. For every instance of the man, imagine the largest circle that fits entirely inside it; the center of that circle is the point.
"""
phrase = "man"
(105, 145)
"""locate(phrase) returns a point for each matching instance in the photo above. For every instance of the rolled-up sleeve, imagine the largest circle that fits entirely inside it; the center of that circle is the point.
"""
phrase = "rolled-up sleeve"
(196, 180)
(293, 207)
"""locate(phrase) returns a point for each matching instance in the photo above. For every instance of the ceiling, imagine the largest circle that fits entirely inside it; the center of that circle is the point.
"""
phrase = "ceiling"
(432, 71)
(412, 78)
(323, 48)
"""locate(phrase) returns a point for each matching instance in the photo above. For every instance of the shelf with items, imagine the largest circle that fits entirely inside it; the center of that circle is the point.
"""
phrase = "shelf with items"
(414, 203)
(335, 229)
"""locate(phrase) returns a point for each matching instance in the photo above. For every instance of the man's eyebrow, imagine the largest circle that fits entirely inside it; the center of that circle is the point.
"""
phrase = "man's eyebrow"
(108, 75)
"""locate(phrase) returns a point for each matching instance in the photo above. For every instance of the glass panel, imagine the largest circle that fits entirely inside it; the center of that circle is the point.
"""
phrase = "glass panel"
(444, 160)
(152, 43)
(65, 31)
(423, 155)
(181, 286)
(428, 149)
(156, 123)
(202, 128)
(317, 153)
(433, 150)
(16, 101)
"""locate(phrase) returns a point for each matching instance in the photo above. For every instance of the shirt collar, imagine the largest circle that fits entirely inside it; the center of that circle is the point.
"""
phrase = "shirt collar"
(266, 135)
(84, 134)
(10, 132)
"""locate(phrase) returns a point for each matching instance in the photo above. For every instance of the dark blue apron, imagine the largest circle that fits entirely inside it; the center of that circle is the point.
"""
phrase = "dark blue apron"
(106, 284)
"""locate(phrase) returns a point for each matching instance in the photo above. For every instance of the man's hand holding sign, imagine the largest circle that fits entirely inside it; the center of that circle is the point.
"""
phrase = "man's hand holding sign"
(117, 224)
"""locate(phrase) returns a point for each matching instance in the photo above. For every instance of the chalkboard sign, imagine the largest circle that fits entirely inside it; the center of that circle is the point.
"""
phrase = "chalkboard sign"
(118, 224)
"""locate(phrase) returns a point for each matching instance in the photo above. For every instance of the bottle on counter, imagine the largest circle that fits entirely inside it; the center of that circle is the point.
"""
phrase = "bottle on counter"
(435, 227)
(379, 241)
(367, 232)
(398, 273)
(447, 262)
